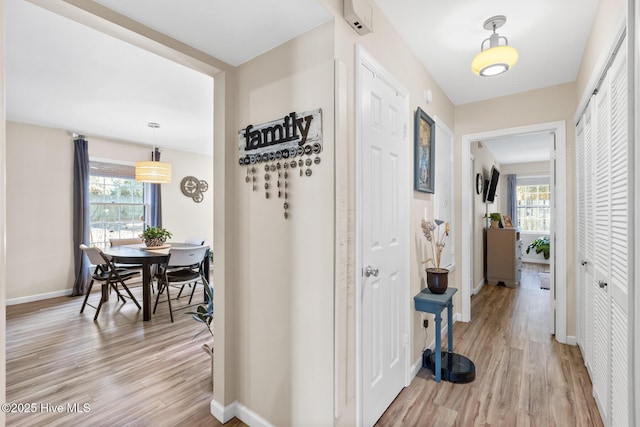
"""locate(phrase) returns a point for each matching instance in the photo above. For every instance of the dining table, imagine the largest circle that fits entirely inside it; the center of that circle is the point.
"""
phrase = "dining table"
(145, 257)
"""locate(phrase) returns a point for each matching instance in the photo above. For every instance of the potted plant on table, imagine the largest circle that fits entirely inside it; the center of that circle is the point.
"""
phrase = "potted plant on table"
(155, 236)
(437, 277)
(495, 219)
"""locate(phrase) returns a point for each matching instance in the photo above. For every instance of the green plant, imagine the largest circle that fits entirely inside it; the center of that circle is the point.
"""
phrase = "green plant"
(495, 216)
(541, 244)
(151, 233)
(204, 314)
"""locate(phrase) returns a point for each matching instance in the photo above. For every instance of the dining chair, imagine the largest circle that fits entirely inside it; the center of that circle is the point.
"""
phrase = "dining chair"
(109, 275)
(191, 241)
(126, 241)
(195, 241)
(183, 267)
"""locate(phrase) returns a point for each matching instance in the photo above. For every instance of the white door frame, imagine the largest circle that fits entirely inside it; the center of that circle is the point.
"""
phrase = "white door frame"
(559, 128)
(363, 58)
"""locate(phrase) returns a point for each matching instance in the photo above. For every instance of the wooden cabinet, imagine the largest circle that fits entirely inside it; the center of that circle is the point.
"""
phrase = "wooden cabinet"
(504, 256)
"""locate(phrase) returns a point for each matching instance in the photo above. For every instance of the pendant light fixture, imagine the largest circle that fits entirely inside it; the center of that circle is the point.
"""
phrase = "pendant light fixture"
(497, 58)
(154, 172)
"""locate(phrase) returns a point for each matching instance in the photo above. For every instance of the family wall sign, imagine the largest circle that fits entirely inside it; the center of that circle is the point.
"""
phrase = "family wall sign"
(279, 147)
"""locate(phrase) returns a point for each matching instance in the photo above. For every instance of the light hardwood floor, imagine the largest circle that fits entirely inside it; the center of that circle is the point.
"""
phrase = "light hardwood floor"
(523, 376)
(129, 372)
(155, 374)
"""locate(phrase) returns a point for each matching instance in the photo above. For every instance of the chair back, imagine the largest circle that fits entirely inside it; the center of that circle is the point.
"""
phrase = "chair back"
(194, 241)
(95, 255)
(185, 257)
(128, 241)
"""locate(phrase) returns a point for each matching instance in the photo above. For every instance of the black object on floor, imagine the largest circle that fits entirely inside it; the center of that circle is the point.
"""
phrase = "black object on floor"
(455, 368)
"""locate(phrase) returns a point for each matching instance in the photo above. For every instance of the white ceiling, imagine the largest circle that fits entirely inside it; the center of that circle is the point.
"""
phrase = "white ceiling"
(65, 75)
(550, 37)
(523, 148)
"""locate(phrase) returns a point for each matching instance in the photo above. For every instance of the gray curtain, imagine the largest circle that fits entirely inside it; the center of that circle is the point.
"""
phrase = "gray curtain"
(154, 199)
(512, 198)
(81, 223)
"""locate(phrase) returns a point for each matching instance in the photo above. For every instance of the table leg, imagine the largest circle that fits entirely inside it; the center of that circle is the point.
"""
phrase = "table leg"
(450, 326)
(438, 349)
(105, 292)
(146, 292)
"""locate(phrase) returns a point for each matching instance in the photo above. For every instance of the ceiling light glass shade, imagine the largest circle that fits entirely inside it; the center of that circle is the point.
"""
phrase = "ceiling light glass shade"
(495, 60)
(153, 172)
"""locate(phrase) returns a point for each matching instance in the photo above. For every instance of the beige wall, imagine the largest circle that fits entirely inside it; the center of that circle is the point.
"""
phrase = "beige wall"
(43, 213)
(483, 161)
(39, 210)
(284, 318)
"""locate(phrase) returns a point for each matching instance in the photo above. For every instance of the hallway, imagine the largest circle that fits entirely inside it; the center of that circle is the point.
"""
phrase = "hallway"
(523, 376)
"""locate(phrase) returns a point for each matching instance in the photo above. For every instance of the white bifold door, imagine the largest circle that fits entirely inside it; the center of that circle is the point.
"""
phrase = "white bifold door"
(602, 239)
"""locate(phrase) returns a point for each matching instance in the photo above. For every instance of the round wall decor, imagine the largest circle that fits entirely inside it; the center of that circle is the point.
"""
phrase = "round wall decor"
(479, 183)
(193, 187)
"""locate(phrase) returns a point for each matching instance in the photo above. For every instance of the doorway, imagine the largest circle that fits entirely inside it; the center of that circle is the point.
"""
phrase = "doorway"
(558, 213)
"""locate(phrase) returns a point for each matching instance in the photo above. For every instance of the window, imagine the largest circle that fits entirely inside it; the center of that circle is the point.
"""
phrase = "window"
(534, 210)
(117, 208)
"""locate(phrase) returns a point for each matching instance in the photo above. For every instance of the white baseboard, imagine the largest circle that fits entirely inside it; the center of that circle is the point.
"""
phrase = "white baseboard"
(244, 414)
(223, 414)
(571, 340)
(477, 287)
(31, 298)
(415, 368)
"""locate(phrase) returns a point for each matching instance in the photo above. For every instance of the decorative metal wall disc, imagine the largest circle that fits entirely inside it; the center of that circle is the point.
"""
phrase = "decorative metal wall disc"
(193, 187)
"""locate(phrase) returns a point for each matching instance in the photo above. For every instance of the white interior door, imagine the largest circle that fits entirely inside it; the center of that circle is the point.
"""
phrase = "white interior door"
(384, 244)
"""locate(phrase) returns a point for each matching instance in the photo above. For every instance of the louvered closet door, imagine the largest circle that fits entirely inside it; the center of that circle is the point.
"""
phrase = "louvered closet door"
(580, 234)
(601, 349)
(603, 212)
(585, 233)
(618, 277)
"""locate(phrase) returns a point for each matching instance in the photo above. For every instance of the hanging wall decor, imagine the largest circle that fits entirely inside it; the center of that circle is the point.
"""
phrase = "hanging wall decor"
(424, 152)
(194, 187)
(277, 144)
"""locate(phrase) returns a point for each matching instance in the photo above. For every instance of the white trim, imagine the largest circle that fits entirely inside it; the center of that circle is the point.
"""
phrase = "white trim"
(415, 368)
(634, 225)
(363, 58)
(223, 413)
(571, 340)
(559, 128)
(31, 298)
(477, 287)
(535, 260)
(238, 410)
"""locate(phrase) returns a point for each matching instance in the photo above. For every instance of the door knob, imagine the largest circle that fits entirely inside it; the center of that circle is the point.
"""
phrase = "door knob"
(370, 271)
(602, 284)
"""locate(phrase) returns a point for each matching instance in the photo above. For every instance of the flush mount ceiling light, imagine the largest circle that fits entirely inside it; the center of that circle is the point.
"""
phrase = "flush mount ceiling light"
(154, 172)
(497, 58)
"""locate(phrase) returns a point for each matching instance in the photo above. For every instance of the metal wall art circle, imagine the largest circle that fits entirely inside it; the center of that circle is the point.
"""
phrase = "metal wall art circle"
(194, 187)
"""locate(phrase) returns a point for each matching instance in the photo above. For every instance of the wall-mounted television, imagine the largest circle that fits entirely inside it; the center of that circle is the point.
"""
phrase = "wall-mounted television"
(492, 186)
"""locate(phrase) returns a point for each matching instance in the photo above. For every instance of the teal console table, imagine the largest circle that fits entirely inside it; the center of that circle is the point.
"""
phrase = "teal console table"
(428, 302)
(457, 369)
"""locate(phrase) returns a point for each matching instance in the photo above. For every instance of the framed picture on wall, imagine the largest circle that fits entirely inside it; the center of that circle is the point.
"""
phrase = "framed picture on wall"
(424, 152)
(506, 219)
